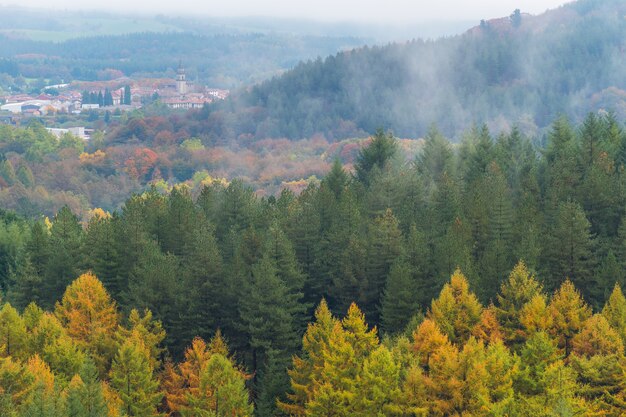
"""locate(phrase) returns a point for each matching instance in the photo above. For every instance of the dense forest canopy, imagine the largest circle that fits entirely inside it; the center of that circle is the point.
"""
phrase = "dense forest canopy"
(221, 60)
(449, 227)
(523, 70)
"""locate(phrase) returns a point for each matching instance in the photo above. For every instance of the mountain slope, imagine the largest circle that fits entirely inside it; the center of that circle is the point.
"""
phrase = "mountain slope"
(523, 71)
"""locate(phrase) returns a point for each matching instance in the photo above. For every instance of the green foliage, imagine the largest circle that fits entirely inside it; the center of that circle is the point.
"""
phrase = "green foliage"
(131, 375)
(375, 156)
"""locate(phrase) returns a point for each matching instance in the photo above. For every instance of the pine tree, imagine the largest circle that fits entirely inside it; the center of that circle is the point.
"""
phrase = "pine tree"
(26, 284)
(568, 251)
(376, 155)
(501, 367)
(498, 256)
(336, 180)
(180, 222)
(205, 285)
(131, 376)
(609, 273)
(154, 285)
(385, 246)
(85, 395)
(281, 251)
(65, 258)
(400, 299)
(435, 161)
(148, 330)
(38, 247)
(102, 253)
(598, 359)
(268, 313)
(127, 95)
(563, 173)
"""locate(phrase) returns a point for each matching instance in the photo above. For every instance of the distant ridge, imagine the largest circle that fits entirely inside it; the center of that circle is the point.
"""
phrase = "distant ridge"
(520, 70)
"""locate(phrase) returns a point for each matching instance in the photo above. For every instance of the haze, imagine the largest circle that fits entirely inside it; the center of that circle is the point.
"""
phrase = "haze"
(329, 10)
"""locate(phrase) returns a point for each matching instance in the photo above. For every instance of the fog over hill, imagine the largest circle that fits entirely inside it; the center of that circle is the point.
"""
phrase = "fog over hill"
(517, 70)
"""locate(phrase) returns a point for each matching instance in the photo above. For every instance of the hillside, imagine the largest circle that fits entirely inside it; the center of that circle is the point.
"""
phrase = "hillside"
(525, 71)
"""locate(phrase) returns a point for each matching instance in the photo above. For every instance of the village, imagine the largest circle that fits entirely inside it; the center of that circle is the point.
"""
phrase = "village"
(114, 96)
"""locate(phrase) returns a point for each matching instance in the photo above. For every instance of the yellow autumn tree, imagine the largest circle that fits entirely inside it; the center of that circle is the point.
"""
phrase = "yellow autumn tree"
(12, 333)
(568, 312)
(182, 382)
(457, 310)
(306, 369)
(615, 311)
(517, 291)
(185, 378)
(534, 316)
(90, 317)
(488, 329)
(427, 339)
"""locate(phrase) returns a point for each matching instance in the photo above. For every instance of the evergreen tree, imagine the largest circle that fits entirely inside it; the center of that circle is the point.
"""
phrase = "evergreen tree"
(267, 313)
(64, 261)
(127, 95)
(154, 285)
(85, 395)
(205, 284)
(400, 299)
(568, 250)
(385, 246)
(376, 155)
(102, 253)
(336, 180)
(132, 378)
(26, 285)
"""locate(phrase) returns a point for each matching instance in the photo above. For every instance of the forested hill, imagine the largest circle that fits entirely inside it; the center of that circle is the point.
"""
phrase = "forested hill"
(522, 69)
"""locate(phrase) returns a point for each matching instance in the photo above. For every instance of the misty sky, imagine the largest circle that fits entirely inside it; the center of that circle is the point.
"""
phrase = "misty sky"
(333, 10)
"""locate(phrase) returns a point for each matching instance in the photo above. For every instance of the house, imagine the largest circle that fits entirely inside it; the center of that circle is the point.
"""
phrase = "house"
(76, 131)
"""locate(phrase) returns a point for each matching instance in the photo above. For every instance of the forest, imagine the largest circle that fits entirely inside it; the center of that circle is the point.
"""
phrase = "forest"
(521, 70)
(225, 59)
(482, 279)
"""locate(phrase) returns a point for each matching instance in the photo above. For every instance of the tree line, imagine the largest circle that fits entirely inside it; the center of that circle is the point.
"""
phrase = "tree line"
(387, 236)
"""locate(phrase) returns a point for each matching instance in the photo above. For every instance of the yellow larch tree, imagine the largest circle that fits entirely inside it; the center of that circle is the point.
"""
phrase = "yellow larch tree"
(90, 317)
(457, 310)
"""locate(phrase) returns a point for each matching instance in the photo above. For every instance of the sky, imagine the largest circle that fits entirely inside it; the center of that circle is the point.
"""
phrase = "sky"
(378, 11)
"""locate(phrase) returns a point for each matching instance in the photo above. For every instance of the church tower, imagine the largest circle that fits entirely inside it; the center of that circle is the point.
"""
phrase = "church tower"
(181, 80)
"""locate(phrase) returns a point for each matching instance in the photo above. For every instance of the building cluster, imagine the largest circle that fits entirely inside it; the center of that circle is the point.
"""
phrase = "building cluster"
(185, 95)
(43, 104)
(178, 93)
